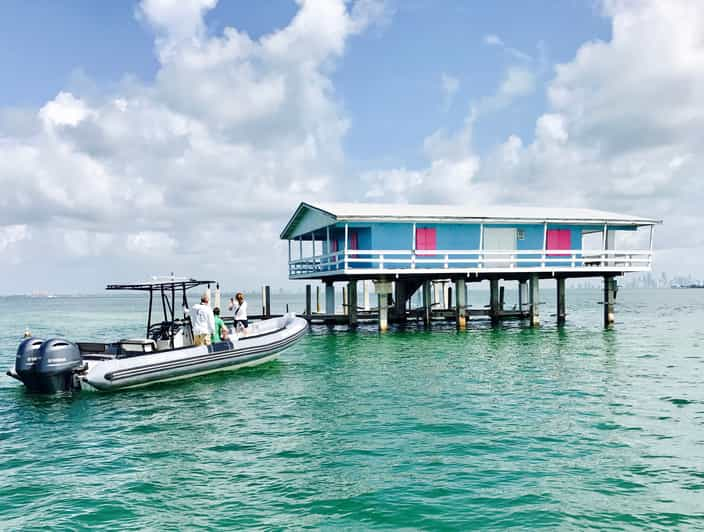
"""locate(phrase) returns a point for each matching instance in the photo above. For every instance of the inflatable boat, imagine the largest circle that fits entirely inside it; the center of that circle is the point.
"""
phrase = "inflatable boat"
(166, 353)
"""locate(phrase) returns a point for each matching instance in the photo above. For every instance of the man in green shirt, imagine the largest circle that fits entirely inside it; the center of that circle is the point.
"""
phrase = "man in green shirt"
(220, 333)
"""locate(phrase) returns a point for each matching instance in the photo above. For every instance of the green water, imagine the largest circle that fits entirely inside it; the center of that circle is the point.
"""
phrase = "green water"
(568, 429)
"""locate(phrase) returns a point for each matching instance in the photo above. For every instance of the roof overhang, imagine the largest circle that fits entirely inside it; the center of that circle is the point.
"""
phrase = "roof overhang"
(335, 213)
(326, 218)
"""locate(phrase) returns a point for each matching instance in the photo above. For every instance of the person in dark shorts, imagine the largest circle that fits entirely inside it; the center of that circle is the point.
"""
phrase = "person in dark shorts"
(239, 305)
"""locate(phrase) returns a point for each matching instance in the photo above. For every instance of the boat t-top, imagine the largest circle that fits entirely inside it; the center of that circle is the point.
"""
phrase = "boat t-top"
(166, 353)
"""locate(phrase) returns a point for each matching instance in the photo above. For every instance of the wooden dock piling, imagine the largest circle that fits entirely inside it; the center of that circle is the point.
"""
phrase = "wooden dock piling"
(329, 298)
(460, 296)
(427, 302)
(267, 301)
(561, 312)
(609, 298)
(352, 303)
(494, 309)
(534, 289)
(522, 295)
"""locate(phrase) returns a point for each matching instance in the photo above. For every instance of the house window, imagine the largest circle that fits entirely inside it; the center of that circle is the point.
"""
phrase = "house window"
(520, 234)
(558, 239)
(426, 238)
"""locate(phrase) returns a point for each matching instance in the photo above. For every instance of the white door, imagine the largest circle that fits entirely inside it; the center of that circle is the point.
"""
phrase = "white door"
(499, 239)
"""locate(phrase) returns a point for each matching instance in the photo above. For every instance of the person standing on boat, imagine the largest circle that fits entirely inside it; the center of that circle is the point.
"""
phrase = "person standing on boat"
(202, 321)
(220, 333)
(240, 308)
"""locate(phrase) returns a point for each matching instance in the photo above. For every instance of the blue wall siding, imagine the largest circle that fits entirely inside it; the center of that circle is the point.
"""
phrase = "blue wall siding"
(392, 236)
(533, 236)
(457, 236)
(533, 240)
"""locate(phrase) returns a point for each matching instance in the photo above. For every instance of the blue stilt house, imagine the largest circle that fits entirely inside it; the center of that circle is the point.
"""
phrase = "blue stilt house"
(409, 244)
(368, 240)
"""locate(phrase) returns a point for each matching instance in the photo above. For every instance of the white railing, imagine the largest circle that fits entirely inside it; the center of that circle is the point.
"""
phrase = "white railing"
(470, 260)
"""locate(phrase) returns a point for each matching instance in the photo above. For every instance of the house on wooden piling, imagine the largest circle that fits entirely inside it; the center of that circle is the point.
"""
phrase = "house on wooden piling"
(404, 247)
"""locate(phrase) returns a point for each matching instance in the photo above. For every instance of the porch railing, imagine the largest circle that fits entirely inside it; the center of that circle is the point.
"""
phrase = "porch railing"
(535, 260)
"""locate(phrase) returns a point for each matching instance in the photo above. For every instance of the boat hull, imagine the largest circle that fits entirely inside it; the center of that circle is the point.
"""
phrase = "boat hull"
(257, 348)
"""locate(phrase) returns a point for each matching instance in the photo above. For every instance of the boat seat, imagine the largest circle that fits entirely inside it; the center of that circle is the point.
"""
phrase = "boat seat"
(137, 345)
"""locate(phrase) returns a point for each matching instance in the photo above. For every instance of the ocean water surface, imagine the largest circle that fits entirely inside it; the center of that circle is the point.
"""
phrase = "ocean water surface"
(566, 428)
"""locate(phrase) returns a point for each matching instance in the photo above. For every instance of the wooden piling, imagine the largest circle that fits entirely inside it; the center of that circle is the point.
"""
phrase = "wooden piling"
(329, 298)
(522, 295)
(383, 290)
(352, 303)
(494, 300)
(383, 312)
(399, 304)
(427, 295)
(308, 301)
(267, 301)
(344, 300)
(317, 299)
(534, 293)
(609, 299)
(461, 305)
(561, 312)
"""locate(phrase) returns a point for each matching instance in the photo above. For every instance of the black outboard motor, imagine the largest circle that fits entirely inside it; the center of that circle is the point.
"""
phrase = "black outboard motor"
(26, 361)
(55, 369)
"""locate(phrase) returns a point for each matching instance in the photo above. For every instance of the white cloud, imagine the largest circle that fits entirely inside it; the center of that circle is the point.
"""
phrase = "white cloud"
(64, 110)
(517, 82)
(447, 178)
(151, 243)
(10, 234)
(232, 132)
(493, 40)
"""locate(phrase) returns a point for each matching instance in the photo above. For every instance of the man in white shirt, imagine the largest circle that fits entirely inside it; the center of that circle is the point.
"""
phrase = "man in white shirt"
(202, 321)
(240, 308)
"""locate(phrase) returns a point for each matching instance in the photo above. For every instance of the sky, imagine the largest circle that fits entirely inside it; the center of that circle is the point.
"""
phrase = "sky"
(156, 136)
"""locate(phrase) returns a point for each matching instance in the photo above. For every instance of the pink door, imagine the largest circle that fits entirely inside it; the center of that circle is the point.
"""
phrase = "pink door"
(426, 239)
(558, 239)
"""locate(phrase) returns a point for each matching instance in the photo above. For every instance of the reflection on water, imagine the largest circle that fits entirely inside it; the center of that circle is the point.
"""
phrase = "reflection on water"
(506, 427)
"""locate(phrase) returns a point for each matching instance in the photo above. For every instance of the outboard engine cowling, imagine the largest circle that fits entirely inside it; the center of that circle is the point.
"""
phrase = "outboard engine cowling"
(26, 361)
(55, 370)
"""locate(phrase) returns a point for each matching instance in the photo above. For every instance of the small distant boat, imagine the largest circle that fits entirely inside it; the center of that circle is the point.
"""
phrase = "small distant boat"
(166, 353)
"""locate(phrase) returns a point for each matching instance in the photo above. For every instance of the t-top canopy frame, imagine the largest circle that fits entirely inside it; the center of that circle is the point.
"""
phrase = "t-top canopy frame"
(166, 284)
(167, 289)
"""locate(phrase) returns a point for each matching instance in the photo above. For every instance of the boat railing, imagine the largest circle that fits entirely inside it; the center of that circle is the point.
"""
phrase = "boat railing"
(474, 259)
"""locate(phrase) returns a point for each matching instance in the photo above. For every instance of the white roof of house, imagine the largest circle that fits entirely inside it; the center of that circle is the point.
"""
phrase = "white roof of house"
(463, 213)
